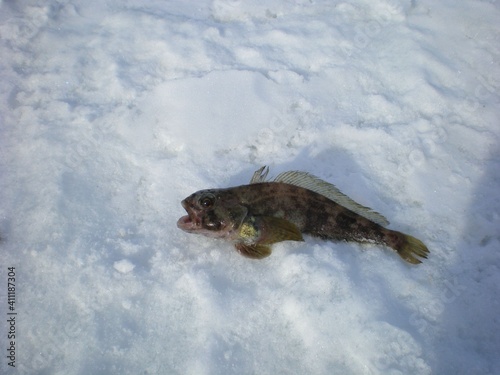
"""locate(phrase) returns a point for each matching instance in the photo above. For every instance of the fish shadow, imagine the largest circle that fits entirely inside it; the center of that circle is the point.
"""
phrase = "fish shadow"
(469, 292)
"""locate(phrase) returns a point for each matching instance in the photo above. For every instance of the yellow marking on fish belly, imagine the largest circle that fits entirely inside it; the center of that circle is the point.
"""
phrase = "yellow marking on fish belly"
(248, 231)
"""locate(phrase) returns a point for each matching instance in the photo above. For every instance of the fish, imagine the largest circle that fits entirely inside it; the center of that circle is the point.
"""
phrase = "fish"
(264, 212)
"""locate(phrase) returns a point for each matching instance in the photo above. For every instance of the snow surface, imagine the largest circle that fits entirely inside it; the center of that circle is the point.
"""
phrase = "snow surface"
(111, 112)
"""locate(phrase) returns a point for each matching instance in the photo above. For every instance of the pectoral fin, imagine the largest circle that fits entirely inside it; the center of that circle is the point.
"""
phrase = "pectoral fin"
(253, 251)
(276, 229)
(261, 231)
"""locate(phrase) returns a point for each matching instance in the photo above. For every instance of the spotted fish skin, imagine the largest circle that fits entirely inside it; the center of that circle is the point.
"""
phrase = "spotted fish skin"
(257, 215)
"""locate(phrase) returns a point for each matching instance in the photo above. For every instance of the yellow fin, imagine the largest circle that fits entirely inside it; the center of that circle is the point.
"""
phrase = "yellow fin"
(276, 229)
(413, 247)
(253, 251)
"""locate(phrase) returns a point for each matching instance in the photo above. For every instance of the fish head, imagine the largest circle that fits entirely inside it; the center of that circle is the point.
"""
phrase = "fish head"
(213, 213)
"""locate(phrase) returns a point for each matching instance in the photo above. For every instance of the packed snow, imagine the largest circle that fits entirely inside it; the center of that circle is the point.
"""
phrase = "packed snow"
(112, 112)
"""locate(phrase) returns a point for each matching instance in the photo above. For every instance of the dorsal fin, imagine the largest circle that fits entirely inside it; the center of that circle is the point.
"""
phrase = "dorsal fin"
(311, 182)
(330, 191)
(260, 175)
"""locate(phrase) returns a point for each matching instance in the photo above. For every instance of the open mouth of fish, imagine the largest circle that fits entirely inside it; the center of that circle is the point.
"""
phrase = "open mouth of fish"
(189, 222)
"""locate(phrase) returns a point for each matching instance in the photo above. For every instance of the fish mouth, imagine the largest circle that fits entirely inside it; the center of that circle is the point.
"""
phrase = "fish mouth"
(189, 222)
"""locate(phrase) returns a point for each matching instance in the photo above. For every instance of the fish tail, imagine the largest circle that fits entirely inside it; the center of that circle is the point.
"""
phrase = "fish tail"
(408, 247)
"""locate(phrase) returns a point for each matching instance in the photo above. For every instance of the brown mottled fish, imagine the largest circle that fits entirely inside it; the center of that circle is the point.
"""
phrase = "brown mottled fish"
(264, 212)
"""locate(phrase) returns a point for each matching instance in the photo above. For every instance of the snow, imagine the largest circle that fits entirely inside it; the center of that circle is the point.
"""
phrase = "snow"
(112, 112)
(123, 266)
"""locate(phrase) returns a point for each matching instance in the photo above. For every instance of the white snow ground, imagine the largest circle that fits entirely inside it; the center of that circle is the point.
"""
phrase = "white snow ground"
(113, 111)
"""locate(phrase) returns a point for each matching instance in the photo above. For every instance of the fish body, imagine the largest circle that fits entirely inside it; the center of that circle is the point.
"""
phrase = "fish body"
(264, 212)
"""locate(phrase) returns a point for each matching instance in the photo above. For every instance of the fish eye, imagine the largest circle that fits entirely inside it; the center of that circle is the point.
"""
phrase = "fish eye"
(207, 201)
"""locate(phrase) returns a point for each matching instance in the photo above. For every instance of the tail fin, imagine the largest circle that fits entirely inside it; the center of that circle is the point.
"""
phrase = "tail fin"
(408, 247)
